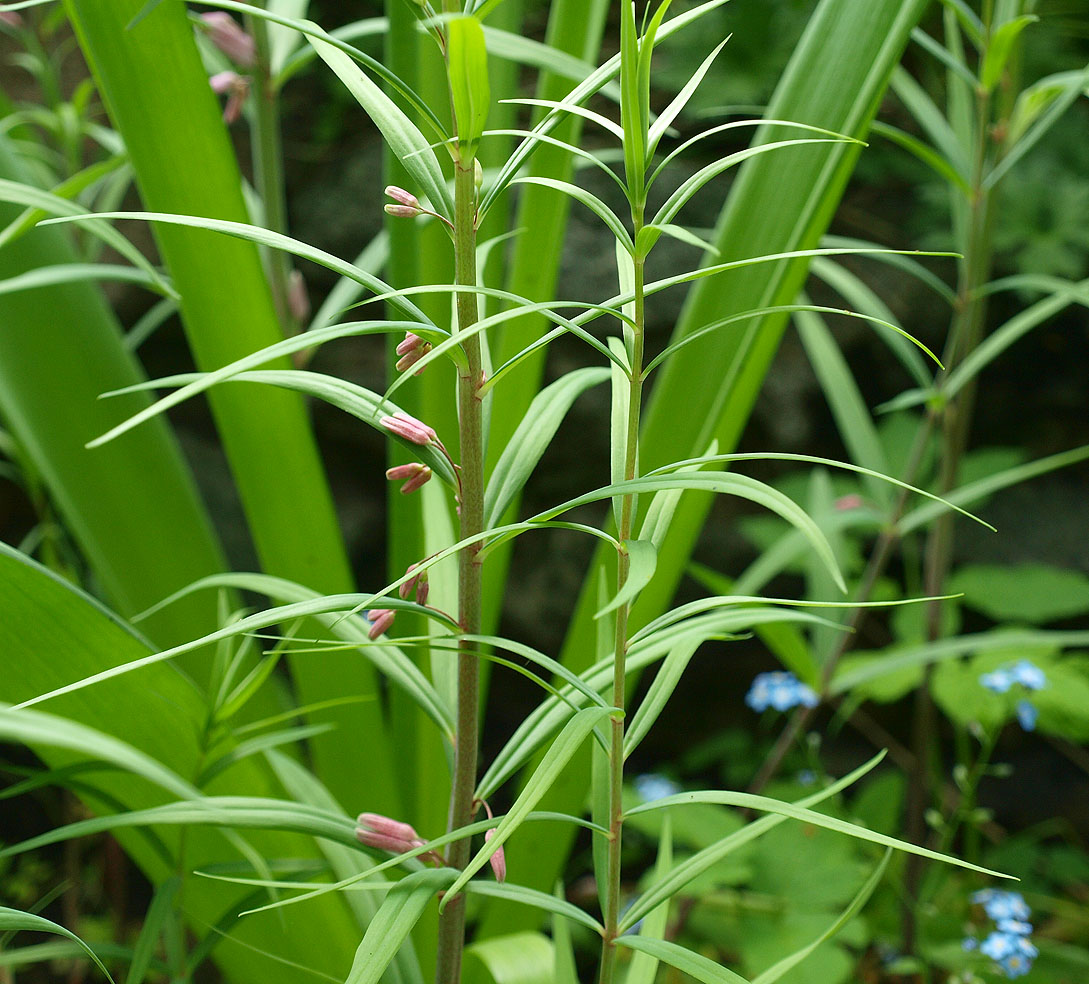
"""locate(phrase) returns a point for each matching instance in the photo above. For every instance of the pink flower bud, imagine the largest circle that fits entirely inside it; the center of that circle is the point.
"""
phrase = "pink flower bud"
(298, 301)
(409, 428)
(417, 585)
(411, 343)
(237, 88)
(402, 211)
(848, 502)
(225, 33)
(381, 832)
(411, 350)
(11, 18)
(416, 474)
(381, 619)
(498, 860)
(403, 197)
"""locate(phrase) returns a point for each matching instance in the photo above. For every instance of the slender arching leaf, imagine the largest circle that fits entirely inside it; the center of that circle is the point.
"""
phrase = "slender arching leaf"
(534, 434)
(591, 201)
(360, 402)
(566, 744)
(693, 964)
(394, 920)
(14, 920)
(725, 483)
(263, 237)
(402, 135)
(777, 970)
(658, 694)
(643, 558)
(159, 914)
(679, 101)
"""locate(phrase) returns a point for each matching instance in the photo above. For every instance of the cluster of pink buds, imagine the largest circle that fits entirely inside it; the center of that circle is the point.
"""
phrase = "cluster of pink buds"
(417, 585)
(405, 205)
(224, 32)
(381, 619)
(410, 429)
(381, 832)
(414, 475)
(411, 350)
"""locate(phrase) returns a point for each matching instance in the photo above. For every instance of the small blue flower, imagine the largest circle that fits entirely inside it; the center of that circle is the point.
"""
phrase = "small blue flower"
(1002, 905)
(998, 946)
(1027, 715)
(969, 943)
(807, 777)
(1028, 674)
(1014, 927)
(779, 690)
(652, 787)
(998, 680)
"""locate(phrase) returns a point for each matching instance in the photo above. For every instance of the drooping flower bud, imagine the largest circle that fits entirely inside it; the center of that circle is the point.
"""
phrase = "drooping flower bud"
(386, 834)
(411, 350)
(226, 34)
(415, 475)
(409, 428)
(406, 205)
(498, 860)
(381, 619)
(236, 87)
(418, 585)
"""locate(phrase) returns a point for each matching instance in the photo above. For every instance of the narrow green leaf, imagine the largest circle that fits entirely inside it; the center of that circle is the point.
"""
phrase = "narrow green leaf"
(532, 437)
(679, 101)
(158, 914)
(402, 135)
(467, 69)
(658, 694)
(923, 152)
(999, 47)
(693, 964)
(644, 966)
(566, 744)
(777, 970)
(591, 201)
(643, 558)
(394, 920)
(539, 900)
(13, 919)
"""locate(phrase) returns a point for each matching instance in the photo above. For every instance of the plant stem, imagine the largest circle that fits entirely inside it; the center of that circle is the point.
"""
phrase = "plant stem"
(627, 516)
(268, 170)
(470, 423)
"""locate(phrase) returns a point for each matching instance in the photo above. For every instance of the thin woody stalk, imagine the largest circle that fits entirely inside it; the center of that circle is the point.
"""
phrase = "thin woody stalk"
(627, 516)
(470, 424)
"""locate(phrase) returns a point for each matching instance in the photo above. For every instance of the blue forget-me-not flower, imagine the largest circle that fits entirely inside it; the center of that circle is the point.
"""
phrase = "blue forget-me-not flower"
(779, 690)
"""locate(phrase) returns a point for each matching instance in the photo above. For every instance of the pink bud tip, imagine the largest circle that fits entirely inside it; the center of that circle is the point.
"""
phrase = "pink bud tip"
(401, 211)
(381, 619)
(409, 428)
(226, 34)
(415, 475)
(498, 860)
(403, 197)
(410, 343)
(848, 502)
(417, 584)
(11, 18)
(298, 301)
(223, 82)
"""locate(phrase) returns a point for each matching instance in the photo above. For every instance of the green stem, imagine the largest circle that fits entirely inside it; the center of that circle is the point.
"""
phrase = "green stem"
(268, 170)
(627, 516)
(470, 426)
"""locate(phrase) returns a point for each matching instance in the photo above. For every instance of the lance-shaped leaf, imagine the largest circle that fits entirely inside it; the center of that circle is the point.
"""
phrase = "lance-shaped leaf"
(13, 920)
(402, 135)
(467, 69)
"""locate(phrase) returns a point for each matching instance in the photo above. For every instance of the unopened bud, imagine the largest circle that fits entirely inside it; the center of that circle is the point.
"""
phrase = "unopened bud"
(386, 834)
(478, 174)
(237, 87)
(414, 475)
(498, 860)
(298, 301)
(226, 34)
(381, 619)
(11, 18)
(407, 204)
(409, 428)
(847, 502)
(418, 585)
